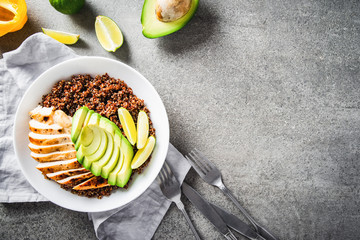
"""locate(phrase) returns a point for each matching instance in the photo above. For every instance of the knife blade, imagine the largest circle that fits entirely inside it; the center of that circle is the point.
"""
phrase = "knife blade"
(207, 210)
(235, 223)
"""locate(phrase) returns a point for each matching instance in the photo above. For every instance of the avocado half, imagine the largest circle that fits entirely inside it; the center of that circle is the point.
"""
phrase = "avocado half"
(153, 28)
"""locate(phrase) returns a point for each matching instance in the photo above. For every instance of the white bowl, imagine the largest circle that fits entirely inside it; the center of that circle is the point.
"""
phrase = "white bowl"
(93, 66)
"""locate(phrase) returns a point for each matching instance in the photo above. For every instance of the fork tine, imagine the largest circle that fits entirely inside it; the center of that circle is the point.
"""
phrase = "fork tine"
(204, 159)
(165, 174)
(196, 160)
(168, 174)
(167, 169)
(192, 162)
(200, 161)
(161, 176)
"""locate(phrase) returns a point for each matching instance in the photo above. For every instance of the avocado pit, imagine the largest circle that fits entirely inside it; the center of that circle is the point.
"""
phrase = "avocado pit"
(171, 10)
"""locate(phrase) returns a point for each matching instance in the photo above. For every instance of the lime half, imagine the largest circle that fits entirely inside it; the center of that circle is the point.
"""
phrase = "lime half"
(108, 33)
(63, 37)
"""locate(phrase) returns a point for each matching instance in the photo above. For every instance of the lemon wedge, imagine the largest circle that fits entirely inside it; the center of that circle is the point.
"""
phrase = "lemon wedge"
(143, 154)
(63, 37)
(127, 124)
(142, 129)
(108, 33)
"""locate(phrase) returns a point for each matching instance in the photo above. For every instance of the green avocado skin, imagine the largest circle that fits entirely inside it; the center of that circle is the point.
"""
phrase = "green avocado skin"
(67, 6)
(154, 28)
(77, 123)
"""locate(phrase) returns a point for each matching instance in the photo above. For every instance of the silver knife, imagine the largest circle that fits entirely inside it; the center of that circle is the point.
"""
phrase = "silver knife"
(238, 225)
(207, 210)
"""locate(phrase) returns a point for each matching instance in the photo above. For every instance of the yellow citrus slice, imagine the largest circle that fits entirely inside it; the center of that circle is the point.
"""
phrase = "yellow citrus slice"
(142, 129)
(143, 154)
(127, 124)
(63, 37)
(108, 33)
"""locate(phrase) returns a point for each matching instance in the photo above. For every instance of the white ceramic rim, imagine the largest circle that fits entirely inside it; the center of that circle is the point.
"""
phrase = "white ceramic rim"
(91, 65)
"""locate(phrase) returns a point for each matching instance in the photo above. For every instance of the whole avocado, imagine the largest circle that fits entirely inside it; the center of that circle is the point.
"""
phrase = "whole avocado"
(67, 6)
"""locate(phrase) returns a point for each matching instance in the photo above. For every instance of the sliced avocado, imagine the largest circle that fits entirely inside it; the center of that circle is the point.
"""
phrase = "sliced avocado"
(86, 137)
(114, 165)
(124, 174)
(90, 158)
(88, 115)
(117, 137)
(97, 166)
(114, 126)
(154, 28)
(92, 147)
(108, 125)
(94, 119)
(80, 155)
(86, 121)
(116, 170)
(111, 164)
(77, 122)
(103, 124)
(96, 142)
(77, 144)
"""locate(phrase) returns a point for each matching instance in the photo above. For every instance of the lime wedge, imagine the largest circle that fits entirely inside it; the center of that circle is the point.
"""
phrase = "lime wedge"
(63, 37)
(142, 129)
(127, 124)
(143, 154)
(108, 33)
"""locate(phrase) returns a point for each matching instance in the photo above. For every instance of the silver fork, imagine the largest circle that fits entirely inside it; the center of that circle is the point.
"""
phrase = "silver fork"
(170, 187)
(211, 174)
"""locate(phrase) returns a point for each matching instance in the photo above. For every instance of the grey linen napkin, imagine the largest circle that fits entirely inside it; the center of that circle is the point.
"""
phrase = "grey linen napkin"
(138, 219)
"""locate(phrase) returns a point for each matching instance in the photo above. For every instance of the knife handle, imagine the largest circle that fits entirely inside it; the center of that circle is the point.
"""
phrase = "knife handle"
(180, 205)
(262, 231)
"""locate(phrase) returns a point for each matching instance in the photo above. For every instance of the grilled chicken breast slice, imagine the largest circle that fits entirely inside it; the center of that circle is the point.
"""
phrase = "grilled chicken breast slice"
(43, 128)
(51, 148)
(42, 114)
(51, 167)
(55, 156)
(74, 180)
(92, 183)
(66, 173)
(45, 139)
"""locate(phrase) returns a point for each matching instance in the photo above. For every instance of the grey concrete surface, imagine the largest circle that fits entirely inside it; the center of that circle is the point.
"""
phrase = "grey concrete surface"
(268, 90)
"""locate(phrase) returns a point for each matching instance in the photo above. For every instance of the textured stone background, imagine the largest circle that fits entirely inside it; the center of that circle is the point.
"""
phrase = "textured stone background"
(268, 90)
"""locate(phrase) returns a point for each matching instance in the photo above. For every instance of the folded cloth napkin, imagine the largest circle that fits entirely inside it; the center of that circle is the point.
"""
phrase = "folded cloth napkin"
(138, 219)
